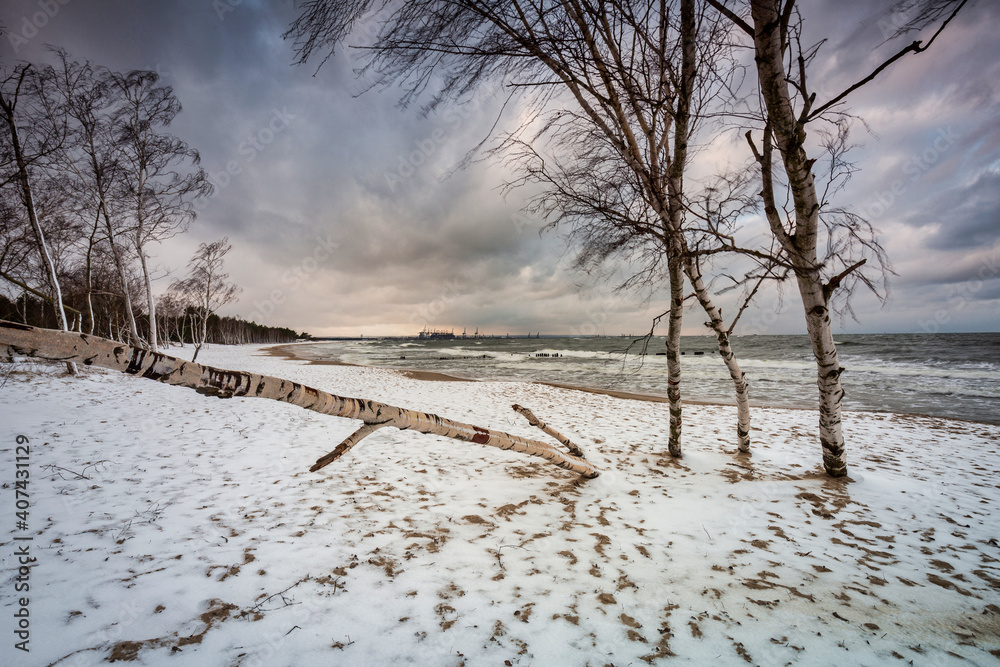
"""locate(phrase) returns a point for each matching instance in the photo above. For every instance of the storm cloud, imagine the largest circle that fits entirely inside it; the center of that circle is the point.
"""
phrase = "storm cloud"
(349, 215)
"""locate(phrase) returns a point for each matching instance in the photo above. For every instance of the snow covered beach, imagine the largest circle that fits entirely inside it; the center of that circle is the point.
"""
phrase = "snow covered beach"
(171, 528)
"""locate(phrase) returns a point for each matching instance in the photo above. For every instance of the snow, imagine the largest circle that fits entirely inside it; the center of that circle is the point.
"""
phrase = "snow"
(172, 528)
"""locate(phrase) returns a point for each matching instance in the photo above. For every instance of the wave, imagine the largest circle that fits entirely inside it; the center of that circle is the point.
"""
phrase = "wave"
(925, 371)
(878, 377)
(964, 392)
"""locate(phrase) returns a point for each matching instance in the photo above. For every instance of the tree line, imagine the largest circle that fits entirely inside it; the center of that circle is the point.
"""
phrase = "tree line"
(91, 179)
(175, 326)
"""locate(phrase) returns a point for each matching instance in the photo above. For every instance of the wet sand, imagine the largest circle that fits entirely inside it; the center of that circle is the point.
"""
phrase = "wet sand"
(288, 351)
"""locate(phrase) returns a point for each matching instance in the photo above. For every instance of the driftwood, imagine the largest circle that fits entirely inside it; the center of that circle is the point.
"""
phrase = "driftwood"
(538, 423)
(21, 340)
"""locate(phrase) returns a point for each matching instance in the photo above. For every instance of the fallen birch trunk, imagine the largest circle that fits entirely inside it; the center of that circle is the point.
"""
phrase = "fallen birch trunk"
(22, 340)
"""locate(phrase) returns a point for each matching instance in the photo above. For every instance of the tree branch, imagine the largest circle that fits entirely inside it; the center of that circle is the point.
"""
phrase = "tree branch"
(7, 276)
(732, 16)
(914, 47)
(834, 282)
(345, 446)
(535, 421)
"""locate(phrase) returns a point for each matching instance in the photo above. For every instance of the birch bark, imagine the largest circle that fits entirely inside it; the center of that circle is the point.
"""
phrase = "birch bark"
(7, 107)
(799, 245)
(150, 302)
(21, 340)
(717, 325)
(674, 355)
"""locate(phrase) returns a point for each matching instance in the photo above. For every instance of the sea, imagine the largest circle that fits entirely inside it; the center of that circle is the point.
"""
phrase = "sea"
(942, 375)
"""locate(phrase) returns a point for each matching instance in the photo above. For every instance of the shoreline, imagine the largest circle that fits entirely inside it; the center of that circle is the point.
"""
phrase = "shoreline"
(431, 376)
(282, 350)
(426, 376)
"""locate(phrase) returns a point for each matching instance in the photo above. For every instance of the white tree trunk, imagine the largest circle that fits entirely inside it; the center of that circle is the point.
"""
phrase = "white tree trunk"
(828, 370)
(800, 245)
(675, 216)
(126, 293)
(21, 340)
(36, 227)
(50, 267)
(150, 304)
(674, 354)
(123, 277)
(116, 255)
(717, 325)
(90, 297)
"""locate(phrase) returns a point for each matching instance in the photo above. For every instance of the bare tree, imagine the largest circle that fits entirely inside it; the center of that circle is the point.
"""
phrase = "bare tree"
(615, 91)
(42, 141)
(782, 65)
(80, 95)
(158, 176)
(74, 93)
(172, 310)
(207, 287)
(127, 181)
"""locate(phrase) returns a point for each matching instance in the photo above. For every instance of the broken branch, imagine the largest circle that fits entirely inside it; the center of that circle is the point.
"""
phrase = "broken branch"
(345, 446)
(538, 423)
(834, 283)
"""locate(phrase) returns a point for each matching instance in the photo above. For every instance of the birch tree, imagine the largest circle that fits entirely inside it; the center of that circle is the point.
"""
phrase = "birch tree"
(159, 177)
(171, 309)
(614, 89)
(75, 94)
(22, 155)
(80, 95)
(789, 105)
(20, 340)
(207, 286)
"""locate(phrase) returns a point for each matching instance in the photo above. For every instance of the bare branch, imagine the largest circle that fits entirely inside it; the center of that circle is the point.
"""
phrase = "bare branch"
(916, 46)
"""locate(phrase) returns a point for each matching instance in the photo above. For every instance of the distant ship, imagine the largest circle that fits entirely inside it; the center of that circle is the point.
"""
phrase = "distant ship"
(441, 334)
(436, 334)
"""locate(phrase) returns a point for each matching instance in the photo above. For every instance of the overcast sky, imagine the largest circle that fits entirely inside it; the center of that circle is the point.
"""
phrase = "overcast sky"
(347, 214)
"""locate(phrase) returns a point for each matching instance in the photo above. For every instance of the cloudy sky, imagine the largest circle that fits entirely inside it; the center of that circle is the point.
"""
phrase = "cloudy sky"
(348, 216)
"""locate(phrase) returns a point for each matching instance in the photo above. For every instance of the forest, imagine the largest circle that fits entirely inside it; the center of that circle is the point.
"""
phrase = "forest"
(91, 181)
